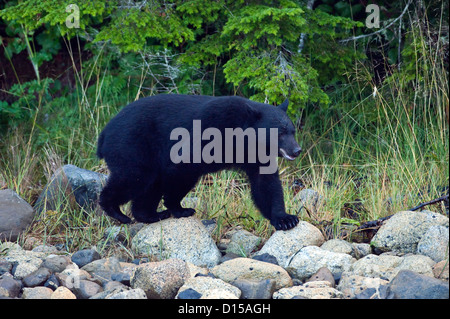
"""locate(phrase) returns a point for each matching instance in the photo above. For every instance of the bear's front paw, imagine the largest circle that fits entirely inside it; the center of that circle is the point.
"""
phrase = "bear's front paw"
(182, 212)
(284, 223)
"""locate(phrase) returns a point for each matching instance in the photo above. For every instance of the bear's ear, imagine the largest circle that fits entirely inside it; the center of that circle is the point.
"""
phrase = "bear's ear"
(252, 112)
(284, 105)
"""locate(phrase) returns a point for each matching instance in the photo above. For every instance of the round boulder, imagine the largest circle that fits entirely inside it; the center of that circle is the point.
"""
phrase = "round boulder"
(183, 238)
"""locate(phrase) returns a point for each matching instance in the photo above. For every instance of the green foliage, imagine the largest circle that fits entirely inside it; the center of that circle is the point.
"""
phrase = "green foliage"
(29, 97)
(250, 45)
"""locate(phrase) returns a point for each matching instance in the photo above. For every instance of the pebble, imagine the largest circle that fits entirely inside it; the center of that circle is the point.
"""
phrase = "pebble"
(9, 287)
(255, 289)
(323, 274)
(63, 293)
(37, 293)
(37, 278)
(86, 289)
(85, 256)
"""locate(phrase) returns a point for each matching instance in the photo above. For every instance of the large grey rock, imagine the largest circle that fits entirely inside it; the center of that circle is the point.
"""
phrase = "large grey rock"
(82, 185)
(410, 285)
(403, 231)
(283, 244)
(16, 215)
(160, 280)
(183, 238)
(25, 262)
(434, 243)
(310, 259)
(387, 267)
(250, 269)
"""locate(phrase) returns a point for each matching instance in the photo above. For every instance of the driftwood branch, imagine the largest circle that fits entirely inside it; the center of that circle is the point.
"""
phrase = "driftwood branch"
(434, 201)
(381, 30)
(373, 224)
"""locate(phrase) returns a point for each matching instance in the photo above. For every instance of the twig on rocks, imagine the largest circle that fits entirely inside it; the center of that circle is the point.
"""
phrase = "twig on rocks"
(375, 224)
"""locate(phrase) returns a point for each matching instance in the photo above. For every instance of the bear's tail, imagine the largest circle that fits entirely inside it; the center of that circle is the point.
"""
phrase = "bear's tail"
(99, 146)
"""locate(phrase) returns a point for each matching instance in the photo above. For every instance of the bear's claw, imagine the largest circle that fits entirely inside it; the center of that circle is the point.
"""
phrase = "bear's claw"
(285, 222)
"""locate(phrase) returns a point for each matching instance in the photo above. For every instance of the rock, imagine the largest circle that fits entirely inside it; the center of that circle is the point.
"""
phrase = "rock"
(37, 278)
(410, 285)
(203, 285)
(440, 270)
(82, 185)
(360, 250)
(37, 293)
(110, 264)
(310, 199)
(123, 278)
(338, 246)
(182, 238)
(310, 259)
(386, 267)
(252, 289)
(284, 244)
(46, 249)
(52, 282)
(189, 294)
(71, 277)
(417, 263)
(160, 280)
(24, 262)
(268, 258)
(196, 271)
(434, 243)
(62, 293)
(250, 269)
(9, 287)
(15, 215)
(56, 263)
(403, 231)
(210, 224)
(128, 294)
(374, 266)
(85, 256)
(352, 285)
(218, 294)
(85, 289)
(242, 243)
(310, 290)
(323, 274)
(5, 267)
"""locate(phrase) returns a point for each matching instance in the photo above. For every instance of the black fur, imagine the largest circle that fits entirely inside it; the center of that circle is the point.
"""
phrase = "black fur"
(136, 146)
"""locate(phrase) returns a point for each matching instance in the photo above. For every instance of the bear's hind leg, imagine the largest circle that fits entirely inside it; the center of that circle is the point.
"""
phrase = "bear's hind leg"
(144, 206)
(112, 196)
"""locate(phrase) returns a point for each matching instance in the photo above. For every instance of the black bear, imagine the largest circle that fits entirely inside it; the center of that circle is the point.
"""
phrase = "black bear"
(148, 161)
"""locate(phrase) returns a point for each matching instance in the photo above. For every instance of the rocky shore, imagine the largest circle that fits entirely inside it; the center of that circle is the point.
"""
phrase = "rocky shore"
(407, 259)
